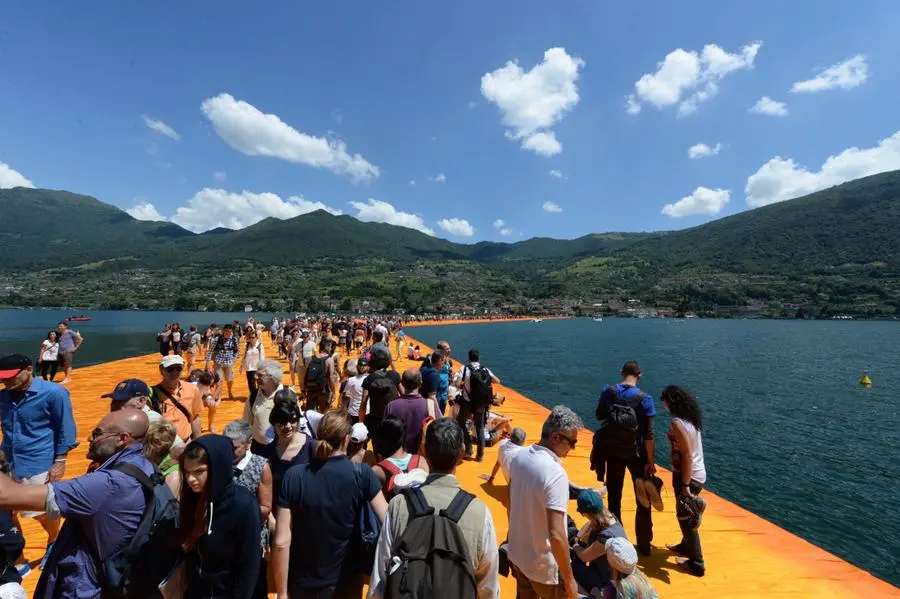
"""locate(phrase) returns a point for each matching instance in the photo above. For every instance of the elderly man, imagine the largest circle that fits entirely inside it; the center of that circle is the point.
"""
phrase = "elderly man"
(102, 509)
(38, 431)
(179, 402)
(538, 501)
(259, 406)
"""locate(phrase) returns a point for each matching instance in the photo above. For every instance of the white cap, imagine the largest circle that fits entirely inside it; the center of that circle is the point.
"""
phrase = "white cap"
(171, 361)
(621, 555)
(359, 433)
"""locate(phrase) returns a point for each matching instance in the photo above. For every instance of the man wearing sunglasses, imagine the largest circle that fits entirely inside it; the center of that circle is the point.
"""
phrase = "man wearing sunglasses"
(38, 430)
(179, 402)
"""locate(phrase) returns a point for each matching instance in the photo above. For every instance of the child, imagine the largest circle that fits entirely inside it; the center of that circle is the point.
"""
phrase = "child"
(589, 563)
(206, 383)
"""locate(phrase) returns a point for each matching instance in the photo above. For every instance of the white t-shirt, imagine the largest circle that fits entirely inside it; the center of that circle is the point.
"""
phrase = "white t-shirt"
(506, 451)
(253, 355)
(384, 331)
(538, 483)
(50, 350)
(354, 391)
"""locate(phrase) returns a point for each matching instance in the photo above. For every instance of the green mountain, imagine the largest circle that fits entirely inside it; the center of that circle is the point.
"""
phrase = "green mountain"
(835, 250)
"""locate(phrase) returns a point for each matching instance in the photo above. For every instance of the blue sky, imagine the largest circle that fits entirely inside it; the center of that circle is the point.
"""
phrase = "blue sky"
(223, 113)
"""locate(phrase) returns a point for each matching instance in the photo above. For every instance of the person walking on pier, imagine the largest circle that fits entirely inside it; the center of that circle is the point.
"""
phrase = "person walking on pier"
(688, 474)
(626, 436)
(538, 503)
(69, 342)
(38, 431)
(225, 354)
(476, 394)
(178, 401)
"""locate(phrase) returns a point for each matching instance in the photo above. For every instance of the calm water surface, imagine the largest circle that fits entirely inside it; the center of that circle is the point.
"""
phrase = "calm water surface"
(789, 434)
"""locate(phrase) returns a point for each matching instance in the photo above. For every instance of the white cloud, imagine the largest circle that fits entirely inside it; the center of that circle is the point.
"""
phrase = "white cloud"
(412, 182)
(770, 107)
(551, 207)
(220, 176)
(781, 179)
(211, 208)
(532, 102)
(501, 227)
(702, 201)
(382, 212)
(851, 73)
(144, 210)
(252, 132)
(701, 150)
(556, 173)
(12, 178)
(457, 226)
(161, 127)
(681, 73)
(441, 178)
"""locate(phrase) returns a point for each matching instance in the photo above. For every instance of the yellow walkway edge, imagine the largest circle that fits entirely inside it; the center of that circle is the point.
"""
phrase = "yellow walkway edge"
(746, 556)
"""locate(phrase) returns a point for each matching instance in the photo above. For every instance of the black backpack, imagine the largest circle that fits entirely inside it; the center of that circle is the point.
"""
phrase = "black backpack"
(379, 357)
(137, 570)
(481, 388)
(433, 554)
(382, 390)
(315, 380)
(618, 435)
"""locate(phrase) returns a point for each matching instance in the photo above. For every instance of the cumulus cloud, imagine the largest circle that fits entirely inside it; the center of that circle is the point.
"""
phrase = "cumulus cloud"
(501, 227)
(383, 212)
(532, 102)
(457, 226)
(697, 151)
(851, 73)
(255, 133)
(557, 174)
(161, 127)
(220, 176)
(412, 182)
(702, 201)
(12, 178)
(211, 208)
(769, 107)
(441, 178)
(144, 210)
(688, 78)
(781, 179)
(551, 207)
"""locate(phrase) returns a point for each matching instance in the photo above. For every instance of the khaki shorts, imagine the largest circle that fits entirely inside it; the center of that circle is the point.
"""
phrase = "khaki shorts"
(225, 372)
(37, 479)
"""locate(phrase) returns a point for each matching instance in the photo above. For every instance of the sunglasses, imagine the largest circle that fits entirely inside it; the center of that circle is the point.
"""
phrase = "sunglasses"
(569, 440)
(284, 424)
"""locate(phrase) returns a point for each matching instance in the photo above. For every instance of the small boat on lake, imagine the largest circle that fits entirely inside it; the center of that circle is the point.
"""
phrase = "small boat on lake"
(78, 318)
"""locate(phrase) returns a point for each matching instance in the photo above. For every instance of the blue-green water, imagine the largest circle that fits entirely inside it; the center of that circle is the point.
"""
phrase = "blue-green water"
(788, 432)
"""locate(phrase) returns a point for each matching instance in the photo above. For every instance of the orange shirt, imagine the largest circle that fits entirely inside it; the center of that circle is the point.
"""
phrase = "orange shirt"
(187, 395)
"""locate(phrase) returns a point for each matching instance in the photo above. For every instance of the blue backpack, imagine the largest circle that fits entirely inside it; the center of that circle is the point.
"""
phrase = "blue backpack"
(141, 566)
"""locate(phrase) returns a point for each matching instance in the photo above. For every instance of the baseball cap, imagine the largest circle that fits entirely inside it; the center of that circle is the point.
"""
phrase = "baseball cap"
(359, 433)
(361, 362)
(127, 389)
(12, 365)
(171, 361)
(589, 502)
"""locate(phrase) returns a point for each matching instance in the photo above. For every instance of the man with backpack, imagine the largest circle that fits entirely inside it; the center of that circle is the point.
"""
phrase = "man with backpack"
(476, 384)
(379, 388)
(437, 540)
(625, 441)
(104, 515)
(321, 381)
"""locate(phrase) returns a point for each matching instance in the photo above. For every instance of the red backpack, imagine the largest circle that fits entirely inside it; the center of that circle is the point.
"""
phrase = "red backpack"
(393, 470)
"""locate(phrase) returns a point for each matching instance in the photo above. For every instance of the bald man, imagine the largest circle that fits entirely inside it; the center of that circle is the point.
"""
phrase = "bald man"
(102, 509)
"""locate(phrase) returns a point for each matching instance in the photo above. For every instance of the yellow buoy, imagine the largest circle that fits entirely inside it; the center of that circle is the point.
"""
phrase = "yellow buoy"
(865, 381)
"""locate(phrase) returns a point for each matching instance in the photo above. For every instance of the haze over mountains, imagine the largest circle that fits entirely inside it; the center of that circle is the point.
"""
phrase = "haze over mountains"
(837, 246)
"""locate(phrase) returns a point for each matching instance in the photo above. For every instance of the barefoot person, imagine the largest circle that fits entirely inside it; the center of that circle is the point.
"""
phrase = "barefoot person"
(38, 431)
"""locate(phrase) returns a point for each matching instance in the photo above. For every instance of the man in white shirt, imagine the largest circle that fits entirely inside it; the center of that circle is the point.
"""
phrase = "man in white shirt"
(444, 447)
(539, 498)
(506, 451)
(259, 406)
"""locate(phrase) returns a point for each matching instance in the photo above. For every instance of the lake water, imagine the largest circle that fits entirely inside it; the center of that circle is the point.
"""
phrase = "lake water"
(789, 434)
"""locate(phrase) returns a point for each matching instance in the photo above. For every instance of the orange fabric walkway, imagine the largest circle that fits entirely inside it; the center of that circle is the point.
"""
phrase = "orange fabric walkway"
(746, 556)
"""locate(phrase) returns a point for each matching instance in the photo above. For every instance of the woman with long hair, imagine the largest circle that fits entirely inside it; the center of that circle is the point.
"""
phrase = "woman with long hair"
(688, 474)
(589, 565)
(323, 501)
(254, 353)
(48, 356)
(220, 526)
(157, 445)
(175, 338)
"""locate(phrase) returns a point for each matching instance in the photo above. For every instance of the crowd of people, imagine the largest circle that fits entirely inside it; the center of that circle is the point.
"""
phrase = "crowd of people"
(341, 477)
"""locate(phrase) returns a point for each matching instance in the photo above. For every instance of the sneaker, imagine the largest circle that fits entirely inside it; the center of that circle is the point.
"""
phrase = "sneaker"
(46, 555)
(640, 492)
(411, 479)
(692, 567)
(652, 486)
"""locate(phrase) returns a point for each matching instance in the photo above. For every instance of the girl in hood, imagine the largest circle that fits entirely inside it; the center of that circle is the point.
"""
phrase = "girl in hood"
(220, 524)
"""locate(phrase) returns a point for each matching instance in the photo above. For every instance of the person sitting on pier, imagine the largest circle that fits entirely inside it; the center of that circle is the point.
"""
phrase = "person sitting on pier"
(627, 581)
(589, 562)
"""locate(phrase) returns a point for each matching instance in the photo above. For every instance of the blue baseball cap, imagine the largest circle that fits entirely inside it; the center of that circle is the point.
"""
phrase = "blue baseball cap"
(589, 502)
(127, 389)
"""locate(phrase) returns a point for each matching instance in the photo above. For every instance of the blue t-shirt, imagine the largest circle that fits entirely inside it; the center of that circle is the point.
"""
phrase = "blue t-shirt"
(325, 499)
(67, 341)
(647, 407)
(431, 380)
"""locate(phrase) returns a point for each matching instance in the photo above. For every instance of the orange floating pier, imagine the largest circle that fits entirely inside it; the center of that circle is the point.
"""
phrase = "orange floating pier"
(746, 556)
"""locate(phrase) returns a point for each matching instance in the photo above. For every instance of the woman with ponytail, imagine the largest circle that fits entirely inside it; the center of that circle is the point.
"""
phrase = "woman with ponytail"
(318, 509)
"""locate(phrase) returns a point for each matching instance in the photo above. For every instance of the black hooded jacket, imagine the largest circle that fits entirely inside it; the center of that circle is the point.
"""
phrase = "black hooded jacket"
(225, 561)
